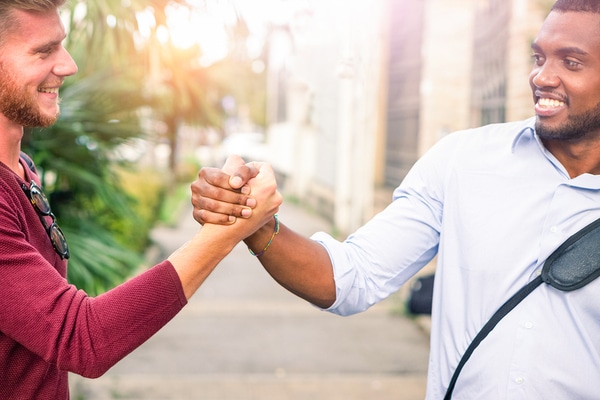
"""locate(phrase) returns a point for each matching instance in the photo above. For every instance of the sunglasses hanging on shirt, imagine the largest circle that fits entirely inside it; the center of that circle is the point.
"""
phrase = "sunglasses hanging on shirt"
(42, 206)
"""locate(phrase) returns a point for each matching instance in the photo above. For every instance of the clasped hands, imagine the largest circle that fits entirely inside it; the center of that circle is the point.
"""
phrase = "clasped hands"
(242, 196)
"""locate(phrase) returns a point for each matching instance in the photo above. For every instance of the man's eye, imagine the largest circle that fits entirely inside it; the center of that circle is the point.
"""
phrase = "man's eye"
(537, 59)
(45, 51)
(572, 64)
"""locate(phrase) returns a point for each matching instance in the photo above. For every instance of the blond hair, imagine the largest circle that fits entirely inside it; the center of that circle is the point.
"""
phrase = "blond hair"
(7, 6)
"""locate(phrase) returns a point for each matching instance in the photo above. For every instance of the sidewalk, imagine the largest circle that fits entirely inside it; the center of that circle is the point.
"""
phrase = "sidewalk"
(243, 337)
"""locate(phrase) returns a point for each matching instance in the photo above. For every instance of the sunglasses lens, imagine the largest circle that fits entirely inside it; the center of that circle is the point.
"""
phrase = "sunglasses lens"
(42, 206)
(39, 200)
(59, 241)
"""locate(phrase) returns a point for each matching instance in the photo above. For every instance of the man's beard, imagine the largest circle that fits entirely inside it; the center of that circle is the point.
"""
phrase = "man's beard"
(576, 127)
(20, 106)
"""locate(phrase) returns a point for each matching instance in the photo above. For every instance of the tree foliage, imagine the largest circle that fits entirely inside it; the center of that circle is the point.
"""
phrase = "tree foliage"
(103, 107)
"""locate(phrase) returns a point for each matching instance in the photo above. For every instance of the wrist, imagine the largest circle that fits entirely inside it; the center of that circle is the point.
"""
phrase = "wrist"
(259, 242)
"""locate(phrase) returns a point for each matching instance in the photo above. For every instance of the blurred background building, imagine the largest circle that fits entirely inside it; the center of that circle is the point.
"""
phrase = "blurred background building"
(357, 91)
(340, 96)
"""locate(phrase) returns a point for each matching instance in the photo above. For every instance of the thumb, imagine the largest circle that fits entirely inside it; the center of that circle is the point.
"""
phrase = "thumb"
(232, 164)
(240, 173)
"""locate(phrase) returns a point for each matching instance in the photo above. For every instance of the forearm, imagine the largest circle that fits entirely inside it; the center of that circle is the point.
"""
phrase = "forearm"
(195, 260)
(297, 263)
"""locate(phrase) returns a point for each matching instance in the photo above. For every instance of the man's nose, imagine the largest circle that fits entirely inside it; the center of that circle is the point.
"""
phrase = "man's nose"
(66, 66)
(545, 76)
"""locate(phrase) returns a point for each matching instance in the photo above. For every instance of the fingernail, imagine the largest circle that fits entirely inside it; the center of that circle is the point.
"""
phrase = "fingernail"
(231, 218)
(245, 189)
(251, 202)
(236, 182)
(246, 213)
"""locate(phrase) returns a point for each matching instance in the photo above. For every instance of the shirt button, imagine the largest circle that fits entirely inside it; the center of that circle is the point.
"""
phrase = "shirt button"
(519, 381)
(528, 325)
(554, 229)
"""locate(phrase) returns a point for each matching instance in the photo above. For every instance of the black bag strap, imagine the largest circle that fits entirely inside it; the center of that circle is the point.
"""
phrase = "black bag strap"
(564, 270)
(487, 328)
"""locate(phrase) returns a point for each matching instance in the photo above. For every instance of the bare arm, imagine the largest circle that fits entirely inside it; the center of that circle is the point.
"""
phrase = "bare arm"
(296, 262)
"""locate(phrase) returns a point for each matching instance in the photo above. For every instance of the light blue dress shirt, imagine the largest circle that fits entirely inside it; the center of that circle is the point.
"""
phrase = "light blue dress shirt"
(492, 203)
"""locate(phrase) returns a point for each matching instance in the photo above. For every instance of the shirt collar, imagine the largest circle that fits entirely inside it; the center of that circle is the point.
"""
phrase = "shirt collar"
(526, 138)
(525, 135)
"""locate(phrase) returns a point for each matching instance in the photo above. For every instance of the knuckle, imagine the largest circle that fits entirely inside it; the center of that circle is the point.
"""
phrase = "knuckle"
(198, 216)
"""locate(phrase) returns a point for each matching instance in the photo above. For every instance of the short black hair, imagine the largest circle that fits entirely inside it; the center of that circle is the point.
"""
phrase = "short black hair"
(591, 6)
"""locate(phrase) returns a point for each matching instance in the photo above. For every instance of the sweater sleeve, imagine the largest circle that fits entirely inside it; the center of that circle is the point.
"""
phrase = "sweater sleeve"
(98, 332)
(41, 312)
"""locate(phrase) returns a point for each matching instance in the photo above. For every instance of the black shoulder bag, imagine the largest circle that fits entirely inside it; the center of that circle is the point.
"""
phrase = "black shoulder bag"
(420, 295)
(574, 264)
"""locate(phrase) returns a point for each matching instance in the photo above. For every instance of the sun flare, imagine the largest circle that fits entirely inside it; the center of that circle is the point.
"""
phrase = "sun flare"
(206, 24)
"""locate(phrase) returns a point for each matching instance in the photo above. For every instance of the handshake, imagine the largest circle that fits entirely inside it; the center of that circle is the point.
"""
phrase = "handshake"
(240, 202)
(238, 190)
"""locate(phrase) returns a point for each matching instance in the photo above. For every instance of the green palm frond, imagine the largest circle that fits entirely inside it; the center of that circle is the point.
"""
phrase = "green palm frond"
(97, 262)
(75, 162)
(121, 83)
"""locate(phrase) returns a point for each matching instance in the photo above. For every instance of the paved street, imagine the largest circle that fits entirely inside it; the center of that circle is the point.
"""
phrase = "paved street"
(243, 337)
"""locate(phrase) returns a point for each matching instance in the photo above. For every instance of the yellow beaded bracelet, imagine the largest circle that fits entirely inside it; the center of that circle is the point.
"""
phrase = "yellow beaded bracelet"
(275, 232)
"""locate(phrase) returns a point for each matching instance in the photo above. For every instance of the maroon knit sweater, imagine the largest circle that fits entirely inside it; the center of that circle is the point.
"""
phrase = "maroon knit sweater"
(47, 326)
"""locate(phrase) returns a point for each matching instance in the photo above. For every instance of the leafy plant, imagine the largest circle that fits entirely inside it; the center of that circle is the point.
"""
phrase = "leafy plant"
(125, 90)
(77, 167)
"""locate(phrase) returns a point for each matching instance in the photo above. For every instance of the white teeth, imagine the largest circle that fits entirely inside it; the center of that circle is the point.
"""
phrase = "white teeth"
(550, 103)
(44, 90)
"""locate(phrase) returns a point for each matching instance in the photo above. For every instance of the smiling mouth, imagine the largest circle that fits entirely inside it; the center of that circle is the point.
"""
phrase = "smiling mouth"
(550, 103)
(48, 90)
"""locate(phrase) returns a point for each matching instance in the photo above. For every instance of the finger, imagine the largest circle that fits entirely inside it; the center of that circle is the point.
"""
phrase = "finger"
(213, 177)
(226, 208)
(261, 171)
(213, 183)
(211, 192)
(242, 175)
(239, 172)
(217, 199)
(207, 217)
(264, 189)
